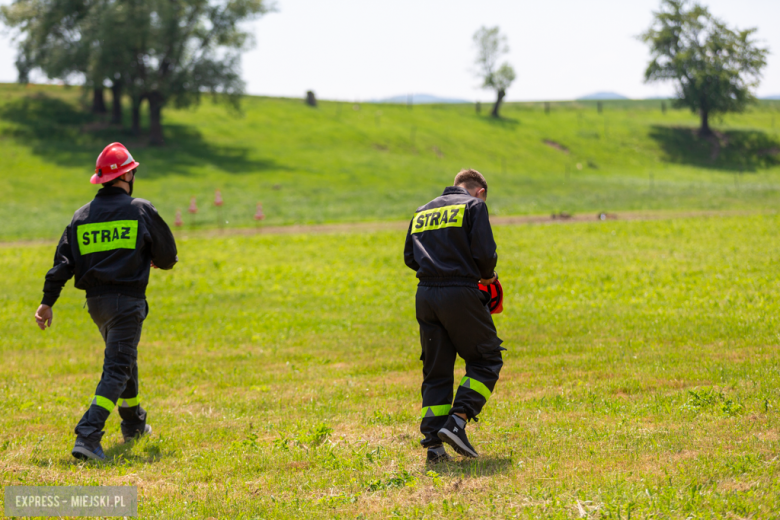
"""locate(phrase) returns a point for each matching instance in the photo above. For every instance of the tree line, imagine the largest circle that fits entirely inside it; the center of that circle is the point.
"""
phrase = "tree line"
(715, 68)
(158, 51)
(172, 51)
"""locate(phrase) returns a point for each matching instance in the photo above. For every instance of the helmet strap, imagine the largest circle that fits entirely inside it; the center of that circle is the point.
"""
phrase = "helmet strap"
(129, 183)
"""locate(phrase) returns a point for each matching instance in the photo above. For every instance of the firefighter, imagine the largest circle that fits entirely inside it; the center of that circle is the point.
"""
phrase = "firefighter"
(450, 245)
(110, 247)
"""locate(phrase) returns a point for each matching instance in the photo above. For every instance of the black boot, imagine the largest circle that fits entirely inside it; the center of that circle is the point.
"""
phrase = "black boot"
(437, 454)
(86, 450)
(454, 434)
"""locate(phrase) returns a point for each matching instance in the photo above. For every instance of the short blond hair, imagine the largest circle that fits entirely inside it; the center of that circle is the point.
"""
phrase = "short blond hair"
(470, 179)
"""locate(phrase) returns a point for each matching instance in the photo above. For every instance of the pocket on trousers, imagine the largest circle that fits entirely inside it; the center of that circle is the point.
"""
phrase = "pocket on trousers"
(126, 355)
(491, 351)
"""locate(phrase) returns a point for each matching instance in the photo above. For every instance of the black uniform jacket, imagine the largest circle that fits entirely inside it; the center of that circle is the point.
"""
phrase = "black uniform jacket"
(450, 242)
(109, 245)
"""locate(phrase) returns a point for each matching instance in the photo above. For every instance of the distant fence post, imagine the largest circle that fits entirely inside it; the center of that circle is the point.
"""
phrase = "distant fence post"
(546, 107)
(311, 100)
(600, 107)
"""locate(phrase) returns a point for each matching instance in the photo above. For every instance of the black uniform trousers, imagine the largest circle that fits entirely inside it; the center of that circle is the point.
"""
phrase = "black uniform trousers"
(120, 319)
(455, 321)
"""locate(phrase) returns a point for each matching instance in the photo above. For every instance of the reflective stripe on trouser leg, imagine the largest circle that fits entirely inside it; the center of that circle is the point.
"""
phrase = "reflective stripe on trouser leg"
(435, 411)
(103, 402)
(477, 386)
(474, 393)
(128, 402)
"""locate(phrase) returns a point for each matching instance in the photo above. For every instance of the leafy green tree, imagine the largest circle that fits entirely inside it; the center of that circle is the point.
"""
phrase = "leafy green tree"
(106, 34)
(183, 48)
(491, 45)
(714, 67)
(48, 37)
(161, 51)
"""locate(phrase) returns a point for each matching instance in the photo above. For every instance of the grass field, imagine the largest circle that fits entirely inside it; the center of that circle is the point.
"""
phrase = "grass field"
(367, 162)
(281, 375)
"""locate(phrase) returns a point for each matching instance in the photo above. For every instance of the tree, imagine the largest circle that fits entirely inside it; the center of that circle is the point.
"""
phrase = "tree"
(183, 48)
(64, 40)
(156, 50)
(48, 39)
(491, 45)
(714, 67)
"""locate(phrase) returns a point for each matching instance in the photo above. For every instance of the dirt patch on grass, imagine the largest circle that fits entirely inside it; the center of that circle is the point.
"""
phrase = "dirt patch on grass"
(685, 455)
(768, 436)
(372, 227)
(556, 145)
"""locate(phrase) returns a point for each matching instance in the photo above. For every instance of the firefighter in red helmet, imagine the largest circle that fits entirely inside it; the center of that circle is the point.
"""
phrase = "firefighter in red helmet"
(110, 246)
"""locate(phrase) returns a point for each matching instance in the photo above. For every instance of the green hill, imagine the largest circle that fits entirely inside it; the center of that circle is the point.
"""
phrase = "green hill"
(348, 162)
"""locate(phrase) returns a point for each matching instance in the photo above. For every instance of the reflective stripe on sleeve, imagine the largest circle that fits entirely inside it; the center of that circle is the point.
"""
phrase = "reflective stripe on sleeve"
(473, 384)
(103, 402)
(435, 411)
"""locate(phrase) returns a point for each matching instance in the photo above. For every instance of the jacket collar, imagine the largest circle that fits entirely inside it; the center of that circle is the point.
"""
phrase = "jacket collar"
(455, 190)
(110, 191)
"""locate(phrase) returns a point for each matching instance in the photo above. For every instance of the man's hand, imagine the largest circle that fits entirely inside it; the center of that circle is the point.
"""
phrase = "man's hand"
(154, 266)
(488, 281)
(43, 316)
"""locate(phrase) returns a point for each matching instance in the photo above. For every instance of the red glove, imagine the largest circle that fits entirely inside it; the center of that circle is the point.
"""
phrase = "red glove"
(496, 293)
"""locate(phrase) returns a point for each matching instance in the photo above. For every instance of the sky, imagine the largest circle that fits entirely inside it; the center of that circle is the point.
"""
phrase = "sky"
(360, 50)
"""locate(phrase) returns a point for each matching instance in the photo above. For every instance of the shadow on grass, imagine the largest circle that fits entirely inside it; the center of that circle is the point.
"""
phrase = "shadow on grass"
(144, 451)
(501, 122)
(481, 467)
(734, 150)
(62, 134)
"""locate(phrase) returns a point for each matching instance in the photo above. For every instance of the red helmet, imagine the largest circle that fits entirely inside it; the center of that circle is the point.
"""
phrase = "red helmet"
(112, 162)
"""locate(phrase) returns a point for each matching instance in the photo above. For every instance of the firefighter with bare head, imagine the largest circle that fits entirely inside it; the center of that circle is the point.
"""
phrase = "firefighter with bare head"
(451, 247)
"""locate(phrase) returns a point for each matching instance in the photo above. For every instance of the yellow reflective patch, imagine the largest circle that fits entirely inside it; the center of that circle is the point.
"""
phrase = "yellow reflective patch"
(438, 218)
(107, 236)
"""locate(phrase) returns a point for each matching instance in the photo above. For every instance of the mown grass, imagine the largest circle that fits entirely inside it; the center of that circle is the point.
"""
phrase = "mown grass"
(368, 162)
(281, 376)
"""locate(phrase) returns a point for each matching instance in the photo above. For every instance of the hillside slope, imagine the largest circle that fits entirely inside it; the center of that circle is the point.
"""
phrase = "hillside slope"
(346, 162)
